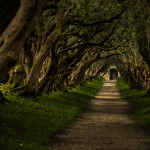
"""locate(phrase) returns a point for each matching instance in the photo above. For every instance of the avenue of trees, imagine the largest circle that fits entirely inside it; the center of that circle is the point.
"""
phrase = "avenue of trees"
(135, 65)
(48, 45)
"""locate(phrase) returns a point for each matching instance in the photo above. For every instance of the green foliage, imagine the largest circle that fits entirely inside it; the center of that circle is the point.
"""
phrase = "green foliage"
(30, 123)
(140, 103)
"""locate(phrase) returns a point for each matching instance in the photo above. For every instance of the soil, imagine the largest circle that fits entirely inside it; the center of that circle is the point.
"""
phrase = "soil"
(105, 125)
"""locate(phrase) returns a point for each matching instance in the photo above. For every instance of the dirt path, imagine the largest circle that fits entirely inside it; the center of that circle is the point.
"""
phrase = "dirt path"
(104, 126)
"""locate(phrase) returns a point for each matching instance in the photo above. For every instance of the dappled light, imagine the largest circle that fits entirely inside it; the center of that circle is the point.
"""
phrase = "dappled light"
(55, 55)
(104, 125)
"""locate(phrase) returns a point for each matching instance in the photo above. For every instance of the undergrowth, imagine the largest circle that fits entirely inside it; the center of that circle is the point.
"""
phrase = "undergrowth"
(140, 103)
(31, 123)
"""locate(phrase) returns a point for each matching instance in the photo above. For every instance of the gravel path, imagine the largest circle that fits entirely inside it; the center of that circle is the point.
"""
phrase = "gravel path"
(105, 125)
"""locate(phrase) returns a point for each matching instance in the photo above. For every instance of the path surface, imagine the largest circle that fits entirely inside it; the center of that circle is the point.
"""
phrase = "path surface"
(104, 126)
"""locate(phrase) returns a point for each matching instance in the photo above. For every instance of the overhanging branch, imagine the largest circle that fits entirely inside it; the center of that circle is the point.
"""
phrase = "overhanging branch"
(78, 22)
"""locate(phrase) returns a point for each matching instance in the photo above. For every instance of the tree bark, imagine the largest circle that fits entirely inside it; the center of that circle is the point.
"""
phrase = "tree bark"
(27, 58)
(8, 10)
(83, 68)
(32, 84)
(14, 36)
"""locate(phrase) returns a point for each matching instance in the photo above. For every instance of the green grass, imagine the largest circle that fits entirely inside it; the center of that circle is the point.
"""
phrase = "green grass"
(31, 123)
(140, 103)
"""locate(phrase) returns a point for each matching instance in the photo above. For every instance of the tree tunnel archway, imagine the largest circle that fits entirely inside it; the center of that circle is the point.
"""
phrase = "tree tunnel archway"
(113, 74)
(66, 60)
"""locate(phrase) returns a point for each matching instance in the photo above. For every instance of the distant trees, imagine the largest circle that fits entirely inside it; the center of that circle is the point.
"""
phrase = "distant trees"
(135, 65)
(56, 42)
(143, 31)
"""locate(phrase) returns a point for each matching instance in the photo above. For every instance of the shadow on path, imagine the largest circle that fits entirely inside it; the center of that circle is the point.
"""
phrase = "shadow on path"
(105, 125)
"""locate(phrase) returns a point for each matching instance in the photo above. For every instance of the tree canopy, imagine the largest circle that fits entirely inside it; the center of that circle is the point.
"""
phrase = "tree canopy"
(57, 44)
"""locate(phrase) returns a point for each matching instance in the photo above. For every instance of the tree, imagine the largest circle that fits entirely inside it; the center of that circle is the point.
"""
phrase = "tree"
(19, 27)
(13, 37)
(65, 32)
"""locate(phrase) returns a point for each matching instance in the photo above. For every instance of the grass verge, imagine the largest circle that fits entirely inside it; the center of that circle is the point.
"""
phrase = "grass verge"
(31, 123)
(140, 104)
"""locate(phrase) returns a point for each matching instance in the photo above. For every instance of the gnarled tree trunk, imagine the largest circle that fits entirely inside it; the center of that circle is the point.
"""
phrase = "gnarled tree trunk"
(13, 38)
(32, 84)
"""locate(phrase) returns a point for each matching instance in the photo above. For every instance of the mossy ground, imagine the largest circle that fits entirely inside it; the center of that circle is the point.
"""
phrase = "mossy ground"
(31, 123)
